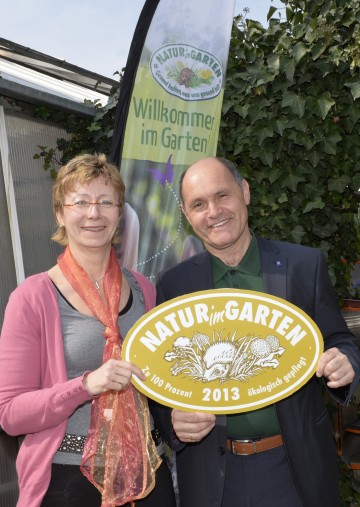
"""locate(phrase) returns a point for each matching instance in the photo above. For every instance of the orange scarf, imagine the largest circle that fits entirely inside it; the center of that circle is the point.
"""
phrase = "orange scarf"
(120, 456)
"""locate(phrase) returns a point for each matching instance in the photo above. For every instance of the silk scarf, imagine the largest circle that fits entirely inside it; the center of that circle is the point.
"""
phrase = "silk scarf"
(120, 457)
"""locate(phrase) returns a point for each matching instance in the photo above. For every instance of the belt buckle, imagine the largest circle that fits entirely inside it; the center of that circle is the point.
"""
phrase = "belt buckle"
(253, 442)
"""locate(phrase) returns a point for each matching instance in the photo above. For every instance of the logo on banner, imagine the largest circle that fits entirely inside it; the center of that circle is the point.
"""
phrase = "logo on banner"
(223, 351)
(187, 72)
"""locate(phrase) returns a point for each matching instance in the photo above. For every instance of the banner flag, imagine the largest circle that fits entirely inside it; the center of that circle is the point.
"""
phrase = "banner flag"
(168, 116)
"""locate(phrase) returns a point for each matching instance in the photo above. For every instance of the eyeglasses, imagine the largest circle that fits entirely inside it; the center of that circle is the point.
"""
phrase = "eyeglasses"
(104, 205)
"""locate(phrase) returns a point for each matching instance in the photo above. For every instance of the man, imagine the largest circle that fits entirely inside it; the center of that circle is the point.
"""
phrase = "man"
(282, 455)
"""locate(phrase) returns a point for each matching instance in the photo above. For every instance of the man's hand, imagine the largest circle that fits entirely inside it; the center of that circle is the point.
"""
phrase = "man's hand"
(192, 426)
(336, 368)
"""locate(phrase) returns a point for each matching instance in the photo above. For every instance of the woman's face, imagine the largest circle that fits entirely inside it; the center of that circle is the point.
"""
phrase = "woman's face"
(94, 226)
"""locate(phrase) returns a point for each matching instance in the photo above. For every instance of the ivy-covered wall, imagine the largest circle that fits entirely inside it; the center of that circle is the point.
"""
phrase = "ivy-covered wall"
(291, 122)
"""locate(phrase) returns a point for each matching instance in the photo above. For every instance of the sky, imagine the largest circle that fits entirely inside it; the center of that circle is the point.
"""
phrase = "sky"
(93, 35)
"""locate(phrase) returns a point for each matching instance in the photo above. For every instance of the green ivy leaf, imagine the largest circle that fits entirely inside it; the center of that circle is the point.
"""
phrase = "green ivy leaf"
(325, 103)
(295, 101)
(272, 11)
(314, 157)
(355, 183)
(355, 89)
(325, 230)
(274, 64)
(299, 51)
(273, 174)
(94, 127)
(287, 65)
(318, 49)
(291, 181)
(289, 13)
(280, 125)
(317, 203)
(283, 198)
(339, 184)
(263, 134)
(266, 157)
(297, 234)
(310, 189)
(256, 113)
(329, 144)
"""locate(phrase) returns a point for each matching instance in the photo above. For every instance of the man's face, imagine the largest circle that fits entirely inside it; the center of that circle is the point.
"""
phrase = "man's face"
(216, 206)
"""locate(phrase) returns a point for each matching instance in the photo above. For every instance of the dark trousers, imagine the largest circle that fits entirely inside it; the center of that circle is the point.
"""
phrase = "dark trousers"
(259, 480)
(70, 488)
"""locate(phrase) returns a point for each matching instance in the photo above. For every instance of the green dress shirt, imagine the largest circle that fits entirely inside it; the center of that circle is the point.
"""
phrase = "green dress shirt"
(247, 275)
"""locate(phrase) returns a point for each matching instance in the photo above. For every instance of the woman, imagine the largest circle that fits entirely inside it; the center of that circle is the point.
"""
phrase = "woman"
(88, 440)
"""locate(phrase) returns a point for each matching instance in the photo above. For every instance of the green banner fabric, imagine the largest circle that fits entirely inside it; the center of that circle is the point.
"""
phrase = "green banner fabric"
(170, 109)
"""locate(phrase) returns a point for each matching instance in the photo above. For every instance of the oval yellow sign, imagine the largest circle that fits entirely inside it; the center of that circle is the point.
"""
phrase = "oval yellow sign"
(223, 351)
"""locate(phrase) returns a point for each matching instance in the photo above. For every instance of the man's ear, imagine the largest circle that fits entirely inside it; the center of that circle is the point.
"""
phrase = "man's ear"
(246, 191)
(186, 214)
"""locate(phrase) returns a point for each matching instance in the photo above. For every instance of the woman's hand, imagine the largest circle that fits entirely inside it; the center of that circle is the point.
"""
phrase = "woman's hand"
(113, 375)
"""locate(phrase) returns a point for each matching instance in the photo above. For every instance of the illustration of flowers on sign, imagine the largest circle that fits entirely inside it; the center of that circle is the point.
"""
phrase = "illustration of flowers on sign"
(189, 77)
(205, 360)
(190, 73)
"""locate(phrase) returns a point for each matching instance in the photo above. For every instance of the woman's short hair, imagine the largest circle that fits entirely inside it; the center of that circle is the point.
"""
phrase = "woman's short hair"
(82, 170)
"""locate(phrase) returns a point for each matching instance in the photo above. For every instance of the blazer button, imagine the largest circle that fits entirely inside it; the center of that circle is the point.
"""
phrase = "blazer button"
(221, 451)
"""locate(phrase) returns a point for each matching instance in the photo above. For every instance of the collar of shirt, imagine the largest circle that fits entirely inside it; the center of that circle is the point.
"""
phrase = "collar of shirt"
(250, 264)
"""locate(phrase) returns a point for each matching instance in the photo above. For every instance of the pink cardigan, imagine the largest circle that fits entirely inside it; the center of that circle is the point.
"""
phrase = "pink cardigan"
(36, 398)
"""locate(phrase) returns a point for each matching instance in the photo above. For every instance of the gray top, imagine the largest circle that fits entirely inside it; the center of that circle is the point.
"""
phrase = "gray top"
(83, 347)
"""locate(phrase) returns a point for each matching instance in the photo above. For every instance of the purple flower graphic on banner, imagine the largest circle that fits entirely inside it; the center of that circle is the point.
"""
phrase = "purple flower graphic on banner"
(167, 176)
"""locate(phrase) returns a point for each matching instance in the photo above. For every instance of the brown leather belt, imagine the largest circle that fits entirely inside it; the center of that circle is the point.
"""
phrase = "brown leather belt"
(246, 447)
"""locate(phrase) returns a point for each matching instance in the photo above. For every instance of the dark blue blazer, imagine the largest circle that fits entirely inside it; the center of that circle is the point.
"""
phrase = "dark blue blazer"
(299, 275)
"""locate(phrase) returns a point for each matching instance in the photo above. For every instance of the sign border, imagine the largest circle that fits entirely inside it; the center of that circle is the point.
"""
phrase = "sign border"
(241, 294)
